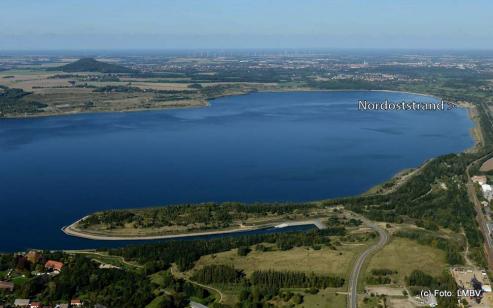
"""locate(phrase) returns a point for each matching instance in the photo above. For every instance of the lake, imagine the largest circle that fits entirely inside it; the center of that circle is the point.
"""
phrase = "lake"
(293, 146)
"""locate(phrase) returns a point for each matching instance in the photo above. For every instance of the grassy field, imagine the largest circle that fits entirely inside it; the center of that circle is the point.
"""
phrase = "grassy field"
(323, 261)
(158, 278)
(372, 302)
(404, 256)
(324, 298)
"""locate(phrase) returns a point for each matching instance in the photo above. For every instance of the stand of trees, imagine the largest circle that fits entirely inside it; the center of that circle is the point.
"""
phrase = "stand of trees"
(82, 278)
(12, 101)
(218, 274)
(380, 276)
(286, 279)
(6, 261)
(419, 280)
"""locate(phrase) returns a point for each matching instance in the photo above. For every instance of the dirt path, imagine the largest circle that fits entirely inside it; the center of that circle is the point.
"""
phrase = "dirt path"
(120, 258)
(176, 274)
(466, 251)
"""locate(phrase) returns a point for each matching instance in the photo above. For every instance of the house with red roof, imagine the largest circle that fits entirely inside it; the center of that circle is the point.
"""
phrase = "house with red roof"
(55, 266)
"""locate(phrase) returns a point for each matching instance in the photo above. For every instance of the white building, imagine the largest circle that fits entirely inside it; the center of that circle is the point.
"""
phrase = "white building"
(480, 179)
(487, 191)
(21, 302)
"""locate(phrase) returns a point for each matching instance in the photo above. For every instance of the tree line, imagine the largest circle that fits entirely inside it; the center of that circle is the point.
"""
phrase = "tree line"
(288, 279)
(218, 274)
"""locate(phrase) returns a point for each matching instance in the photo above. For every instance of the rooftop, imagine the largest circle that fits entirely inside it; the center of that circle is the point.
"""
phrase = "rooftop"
(56, 265)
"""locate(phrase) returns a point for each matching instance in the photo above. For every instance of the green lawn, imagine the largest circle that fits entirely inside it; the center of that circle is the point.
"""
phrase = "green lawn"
(324, 298)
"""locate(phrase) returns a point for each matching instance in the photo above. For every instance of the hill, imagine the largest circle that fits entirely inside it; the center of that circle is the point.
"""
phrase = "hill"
(92, 65)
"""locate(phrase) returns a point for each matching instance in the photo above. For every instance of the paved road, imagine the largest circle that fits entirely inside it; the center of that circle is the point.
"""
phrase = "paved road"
(353, 279)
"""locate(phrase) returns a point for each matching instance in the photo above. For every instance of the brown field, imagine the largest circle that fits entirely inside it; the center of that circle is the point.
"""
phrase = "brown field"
(487, 165)
(161, 86)
(74, 92)
(26, 80)
(323, 261)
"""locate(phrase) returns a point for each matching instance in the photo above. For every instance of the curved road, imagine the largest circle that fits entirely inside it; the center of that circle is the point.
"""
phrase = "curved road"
(353, 279)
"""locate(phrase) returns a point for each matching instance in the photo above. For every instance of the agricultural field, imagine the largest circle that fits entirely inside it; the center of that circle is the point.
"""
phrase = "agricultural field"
(66, 86)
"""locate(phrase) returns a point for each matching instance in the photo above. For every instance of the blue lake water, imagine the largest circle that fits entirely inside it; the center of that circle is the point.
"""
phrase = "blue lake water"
(258, 147)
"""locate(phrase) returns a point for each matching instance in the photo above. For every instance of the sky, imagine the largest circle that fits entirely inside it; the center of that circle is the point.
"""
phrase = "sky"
(211, 24)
